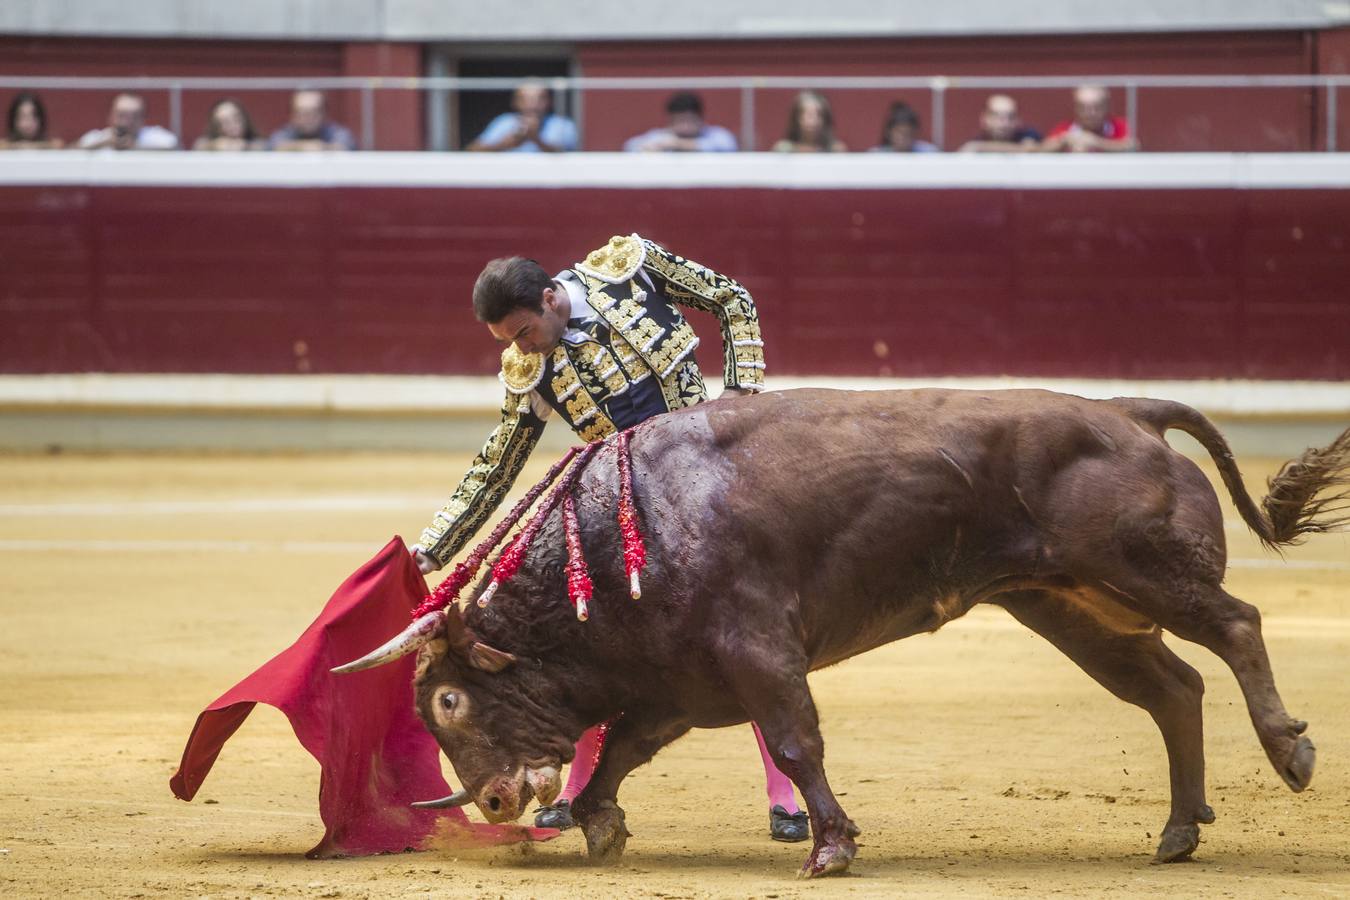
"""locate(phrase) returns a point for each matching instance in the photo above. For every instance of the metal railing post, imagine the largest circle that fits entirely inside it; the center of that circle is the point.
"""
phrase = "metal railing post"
(1331, 117)
(1132, 108)
(367, 116)
(176, 113)
(939, 112)
(747, 117)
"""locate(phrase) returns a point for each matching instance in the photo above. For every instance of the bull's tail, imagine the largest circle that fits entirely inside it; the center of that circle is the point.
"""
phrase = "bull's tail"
(1310, 494)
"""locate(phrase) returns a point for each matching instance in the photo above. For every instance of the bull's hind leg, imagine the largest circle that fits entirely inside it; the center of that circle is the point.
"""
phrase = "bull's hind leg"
(778, 699)
(1231, 629)
(1127, 657)
(632, 741)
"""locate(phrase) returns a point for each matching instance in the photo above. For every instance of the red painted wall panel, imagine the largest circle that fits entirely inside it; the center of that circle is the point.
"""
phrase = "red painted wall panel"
(1091, 283)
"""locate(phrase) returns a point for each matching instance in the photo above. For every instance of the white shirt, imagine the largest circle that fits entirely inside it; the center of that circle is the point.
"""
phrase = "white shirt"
(150, 137)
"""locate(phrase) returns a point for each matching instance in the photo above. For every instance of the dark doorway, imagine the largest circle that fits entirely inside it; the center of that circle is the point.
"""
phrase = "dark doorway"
(478, 108)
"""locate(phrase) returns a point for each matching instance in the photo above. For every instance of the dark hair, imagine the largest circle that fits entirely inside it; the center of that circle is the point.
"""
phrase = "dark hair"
(19, 100)
(901, 114)
(684, 102)
(213, 130)
(794, 126)
(508, 284)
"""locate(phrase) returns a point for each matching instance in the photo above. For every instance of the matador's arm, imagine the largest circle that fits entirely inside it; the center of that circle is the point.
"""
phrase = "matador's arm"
(697, 286)
(488, 480)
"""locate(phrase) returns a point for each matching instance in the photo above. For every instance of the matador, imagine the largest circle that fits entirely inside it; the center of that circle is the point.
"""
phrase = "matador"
(604, 346)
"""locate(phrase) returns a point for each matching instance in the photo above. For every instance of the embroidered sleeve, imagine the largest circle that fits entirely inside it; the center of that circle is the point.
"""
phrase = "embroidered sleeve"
(493, 472)
(691, 284)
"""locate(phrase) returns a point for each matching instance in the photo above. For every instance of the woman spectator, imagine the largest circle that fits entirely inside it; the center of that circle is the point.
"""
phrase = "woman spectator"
(810, 127)
(27, 125)
(900, 132)
(228, 127)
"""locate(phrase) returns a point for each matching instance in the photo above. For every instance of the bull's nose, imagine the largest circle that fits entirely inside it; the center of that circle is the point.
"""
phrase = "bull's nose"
(503, 800)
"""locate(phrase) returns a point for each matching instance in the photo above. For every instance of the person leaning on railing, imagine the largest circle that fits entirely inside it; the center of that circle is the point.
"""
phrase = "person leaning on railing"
(127, 130)
(1092, 129)
(310, 128)
(900, 132)
(229, 127)
(530, 127)
(686, 131)
(810, 127)
(1002, 129)
(26, 126)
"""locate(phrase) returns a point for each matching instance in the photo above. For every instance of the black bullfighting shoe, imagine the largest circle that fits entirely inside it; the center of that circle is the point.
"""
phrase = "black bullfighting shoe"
(558, 815)
(788, 827)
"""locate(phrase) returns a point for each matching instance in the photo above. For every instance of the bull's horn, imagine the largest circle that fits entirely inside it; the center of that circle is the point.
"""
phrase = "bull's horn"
(458, 798)
(415, 635)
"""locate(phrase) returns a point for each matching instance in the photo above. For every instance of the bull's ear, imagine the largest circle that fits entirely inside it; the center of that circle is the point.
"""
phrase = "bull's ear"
(489, 658)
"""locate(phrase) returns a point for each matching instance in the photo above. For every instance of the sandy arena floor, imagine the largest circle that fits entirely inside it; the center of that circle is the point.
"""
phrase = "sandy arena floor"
(978, 762)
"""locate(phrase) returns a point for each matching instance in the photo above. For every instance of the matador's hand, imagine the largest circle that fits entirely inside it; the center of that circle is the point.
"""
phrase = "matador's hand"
(426, 563)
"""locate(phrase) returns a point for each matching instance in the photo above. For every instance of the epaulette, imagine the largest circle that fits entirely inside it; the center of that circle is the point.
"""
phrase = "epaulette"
(617, 261)
(521, 371)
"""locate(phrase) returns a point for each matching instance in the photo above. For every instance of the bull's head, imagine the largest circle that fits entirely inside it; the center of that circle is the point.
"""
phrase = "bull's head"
(500, 721)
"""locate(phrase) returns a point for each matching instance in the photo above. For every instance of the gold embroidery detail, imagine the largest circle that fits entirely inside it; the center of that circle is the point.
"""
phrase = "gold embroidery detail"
(586, 418)
(521, 371)
(617, 261)
(674, 347)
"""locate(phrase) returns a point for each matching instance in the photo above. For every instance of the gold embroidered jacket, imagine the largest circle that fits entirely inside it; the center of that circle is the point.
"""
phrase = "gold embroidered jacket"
(632, 361)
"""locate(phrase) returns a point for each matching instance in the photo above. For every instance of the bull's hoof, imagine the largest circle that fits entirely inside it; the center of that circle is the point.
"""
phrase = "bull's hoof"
(1178, 843)
(606, 834)
(829, 859)
(1298, 771)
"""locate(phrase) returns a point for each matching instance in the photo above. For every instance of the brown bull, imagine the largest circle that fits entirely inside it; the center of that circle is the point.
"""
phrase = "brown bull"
(789, 531)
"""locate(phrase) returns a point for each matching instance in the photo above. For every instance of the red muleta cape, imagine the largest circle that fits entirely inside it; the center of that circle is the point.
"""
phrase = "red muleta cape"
(375, 754)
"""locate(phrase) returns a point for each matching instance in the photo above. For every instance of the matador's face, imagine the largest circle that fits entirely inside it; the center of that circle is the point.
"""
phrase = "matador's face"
(535, 331)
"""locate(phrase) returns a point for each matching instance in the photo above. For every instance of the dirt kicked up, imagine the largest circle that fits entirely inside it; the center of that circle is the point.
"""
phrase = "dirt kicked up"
(978, 761)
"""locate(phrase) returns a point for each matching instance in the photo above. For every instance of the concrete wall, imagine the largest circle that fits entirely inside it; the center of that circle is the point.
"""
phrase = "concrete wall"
(530, 20)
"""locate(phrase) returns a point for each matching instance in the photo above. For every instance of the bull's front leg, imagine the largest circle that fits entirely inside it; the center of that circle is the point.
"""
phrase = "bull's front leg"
(780, 703)
(632, 741)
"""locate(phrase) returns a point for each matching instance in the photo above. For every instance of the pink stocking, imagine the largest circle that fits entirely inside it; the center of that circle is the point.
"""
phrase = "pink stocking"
(583, 763)
(778, 785)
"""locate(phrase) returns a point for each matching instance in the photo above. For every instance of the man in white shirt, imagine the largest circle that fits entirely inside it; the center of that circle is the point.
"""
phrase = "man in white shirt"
(127, 129)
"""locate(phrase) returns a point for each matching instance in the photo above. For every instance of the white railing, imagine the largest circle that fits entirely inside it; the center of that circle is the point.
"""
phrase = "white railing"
(565, 89)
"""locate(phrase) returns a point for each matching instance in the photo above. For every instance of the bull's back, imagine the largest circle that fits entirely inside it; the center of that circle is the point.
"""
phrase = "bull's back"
(884, 510)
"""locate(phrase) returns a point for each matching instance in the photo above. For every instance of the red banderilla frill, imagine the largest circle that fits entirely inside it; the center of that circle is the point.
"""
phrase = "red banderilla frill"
(513, 557)
(447, 592)
(579, 587)
(630, 526)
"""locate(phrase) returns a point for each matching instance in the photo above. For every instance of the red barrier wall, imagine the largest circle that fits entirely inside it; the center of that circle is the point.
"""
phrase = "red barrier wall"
(1137, 283)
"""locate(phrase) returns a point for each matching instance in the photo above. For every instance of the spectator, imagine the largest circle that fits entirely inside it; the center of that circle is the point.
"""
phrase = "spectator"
(686, 131)
(27, 125)
(127, 129)
(1093, 128)
(900, 133)
(1001, 129)
(531, 127)
(310, 128)
(810, 127)
(228, 127)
